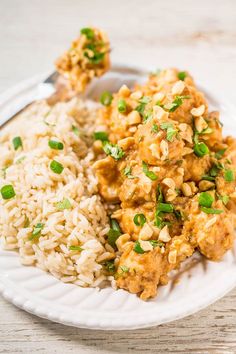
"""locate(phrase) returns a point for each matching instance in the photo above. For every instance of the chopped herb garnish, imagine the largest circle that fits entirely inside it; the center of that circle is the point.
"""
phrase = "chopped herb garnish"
(113, 233)
(155, 128)
(96, 58)
(56, 167)
(64, 204)
(19, 161)
(27, 222)
(211, 210)
(147, 116)
(139, 219)
(156, 243)
(110, 266)
(75, 130)
(127, 172)
(55, 145)
(36, 231)
(106, 98)
(121, 106)
(214, 171)
(224, 198)
(75, 248)
(88, 32)
(138, 248)
(219, 154)
(144, 99)
(8, 192)
(200, 149)
(148, 173)
(182, 75)
(103, 136)
(170, 130)
(207, 130)
(205, 199)
(4, 171)
(142, 105)
(124, 269)
(113, 150)
(229, 175)
(178, 101)
(17, 142)
(165, 207)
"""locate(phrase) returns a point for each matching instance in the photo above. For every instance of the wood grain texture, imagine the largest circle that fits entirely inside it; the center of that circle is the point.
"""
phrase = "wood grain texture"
(196, 35)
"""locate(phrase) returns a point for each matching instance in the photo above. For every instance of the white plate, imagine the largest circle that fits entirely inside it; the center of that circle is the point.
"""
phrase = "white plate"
(200, 282)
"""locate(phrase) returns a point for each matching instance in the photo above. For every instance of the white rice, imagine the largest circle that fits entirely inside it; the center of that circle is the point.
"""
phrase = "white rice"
(38, 189)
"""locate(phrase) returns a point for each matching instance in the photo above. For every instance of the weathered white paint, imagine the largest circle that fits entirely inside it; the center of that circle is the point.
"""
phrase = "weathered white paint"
(196, 35)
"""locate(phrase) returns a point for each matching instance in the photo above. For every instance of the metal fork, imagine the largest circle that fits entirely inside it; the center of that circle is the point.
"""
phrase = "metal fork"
(44, 90)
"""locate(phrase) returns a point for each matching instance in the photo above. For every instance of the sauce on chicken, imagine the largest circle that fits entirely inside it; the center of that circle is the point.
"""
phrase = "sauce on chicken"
(172, 175)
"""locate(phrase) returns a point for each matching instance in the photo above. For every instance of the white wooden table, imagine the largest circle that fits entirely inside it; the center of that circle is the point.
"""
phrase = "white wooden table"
(199, 36)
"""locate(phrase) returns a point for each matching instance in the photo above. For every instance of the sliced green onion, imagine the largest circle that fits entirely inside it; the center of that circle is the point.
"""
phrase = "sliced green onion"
(8, 192)
(106, 98)
(75, 248)
(55, 145)
(208, 178)
(75, 130)
(113, 233)
(64, 204)
(88, 32)
(229, 175)
(205, 199)
(103, 136)
(138, 248)
(160, 197)
(36, 231)
(148, 173)
(211, 210)
(56, 167)
(182, 75)
(200, 149)
(122, 106)
(165, 207)
(113, 150)
(139, 219)
(17, 142)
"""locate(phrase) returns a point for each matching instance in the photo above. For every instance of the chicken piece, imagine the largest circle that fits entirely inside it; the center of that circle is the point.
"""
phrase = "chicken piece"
(213, 234)
(154, 148)
(195, 167)
(87, 58)
(214, 240)
(126, 219)
(214, 138)
(144, 271)
(137, 190)
(109, 179)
